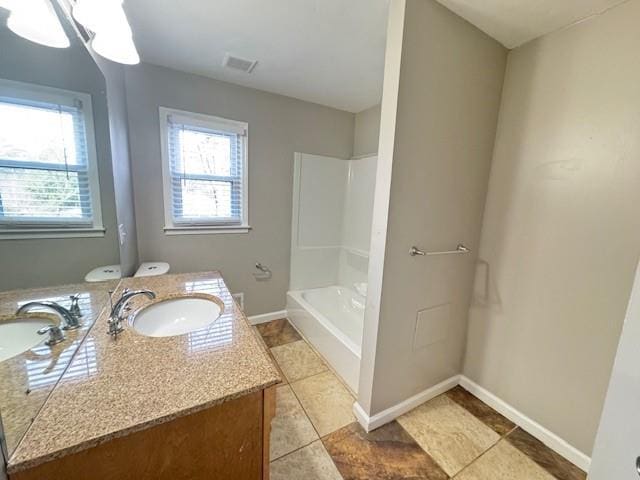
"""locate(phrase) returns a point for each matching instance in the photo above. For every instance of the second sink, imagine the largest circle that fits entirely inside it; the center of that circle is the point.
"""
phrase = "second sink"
(177, 316)
(19, 333)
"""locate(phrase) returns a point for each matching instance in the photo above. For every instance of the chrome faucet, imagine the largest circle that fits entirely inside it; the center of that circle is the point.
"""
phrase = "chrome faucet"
(71, 322)
(55, 335)
(75, 305)
(116, 317)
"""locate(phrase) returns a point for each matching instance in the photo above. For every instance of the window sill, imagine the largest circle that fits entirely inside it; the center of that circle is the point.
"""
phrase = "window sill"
(42, 233)
(207, 230)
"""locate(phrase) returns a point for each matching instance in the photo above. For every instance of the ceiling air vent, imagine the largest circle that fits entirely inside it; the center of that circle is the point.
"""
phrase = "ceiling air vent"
(237, 63)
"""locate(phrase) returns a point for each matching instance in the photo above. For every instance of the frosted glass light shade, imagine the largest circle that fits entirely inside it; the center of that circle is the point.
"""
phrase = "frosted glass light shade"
(36, 20)
(101, 15)
(87, 13)
(113, 37)
(117, 48)
(7, 4)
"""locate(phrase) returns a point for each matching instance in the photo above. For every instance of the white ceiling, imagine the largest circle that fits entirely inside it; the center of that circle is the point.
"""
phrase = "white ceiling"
(514, 22)
(324, 51)
(329, 52)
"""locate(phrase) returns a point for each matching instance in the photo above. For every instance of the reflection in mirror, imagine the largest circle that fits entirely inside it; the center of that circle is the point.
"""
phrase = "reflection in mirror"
(57, 218)
(57, 209)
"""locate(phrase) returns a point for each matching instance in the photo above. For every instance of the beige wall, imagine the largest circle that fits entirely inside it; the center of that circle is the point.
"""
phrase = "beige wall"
(561, 234)
(436, 141)
(278, 127)
(366, 132)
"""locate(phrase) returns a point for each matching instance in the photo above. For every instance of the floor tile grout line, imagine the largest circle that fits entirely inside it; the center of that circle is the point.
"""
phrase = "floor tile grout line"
(331, 456)
(257, 328)
(508, 434)
(305, 446)
(319, 439)
(506, 438)
(324, 360)
(294, 450)
(280, 344)
(503, 439)
(500, 437)
(526, 454)
(478, 458)
(321, 357)
(304, 410)
(515, 426)
(329, 369)
(290, 384)
(304, 378)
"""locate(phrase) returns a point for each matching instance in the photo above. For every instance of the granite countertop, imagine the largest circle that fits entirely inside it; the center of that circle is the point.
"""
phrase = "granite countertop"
(27, 379)
(115, 387)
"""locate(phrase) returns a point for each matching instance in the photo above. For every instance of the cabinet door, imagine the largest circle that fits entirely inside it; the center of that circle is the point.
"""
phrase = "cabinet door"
(224, 441)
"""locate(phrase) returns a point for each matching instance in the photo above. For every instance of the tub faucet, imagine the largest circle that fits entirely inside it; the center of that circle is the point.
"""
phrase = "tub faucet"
(116, 317)
(71, 322)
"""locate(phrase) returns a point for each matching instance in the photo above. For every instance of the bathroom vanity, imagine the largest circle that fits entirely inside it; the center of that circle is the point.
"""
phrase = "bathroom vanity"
(197, 405)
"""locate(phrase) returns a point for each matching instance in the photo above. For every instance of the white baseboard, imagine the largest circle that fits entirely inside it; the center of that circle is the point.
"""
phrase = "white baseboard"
(550, 439)
(391, 413)
(267, 317)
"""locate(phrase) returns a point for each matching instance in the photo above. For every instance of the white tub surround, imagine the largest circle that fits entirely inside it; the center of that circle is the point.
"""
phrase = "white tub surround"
(331, 221)
(331, 230)
(331, 319)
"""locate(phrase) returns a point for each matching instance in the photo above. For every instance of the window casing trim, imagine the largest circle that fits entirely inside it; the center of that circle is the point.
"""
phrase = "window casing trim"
(57, 228)
(209, 225)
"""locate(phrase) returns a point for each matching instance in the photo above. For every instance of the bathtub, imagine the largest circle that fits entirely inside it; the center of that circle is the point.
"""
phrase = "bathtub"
(331, 319)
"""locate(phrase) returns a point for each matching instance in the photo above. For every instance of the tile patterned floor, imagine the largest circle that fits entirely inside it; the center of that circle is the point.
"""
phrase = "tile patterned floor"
(297, 360)
(315, 436)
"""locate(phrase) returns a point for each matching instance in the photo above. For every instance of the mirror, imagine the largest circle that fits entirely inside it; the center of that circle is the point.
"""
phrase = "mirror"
(57, 216)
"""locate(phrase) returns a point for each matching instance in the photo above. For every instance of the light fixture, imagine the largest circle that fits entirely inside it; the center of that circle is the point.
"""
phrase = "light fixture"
(117, 48)
(97, 15)
(36, 20)
(113, 38)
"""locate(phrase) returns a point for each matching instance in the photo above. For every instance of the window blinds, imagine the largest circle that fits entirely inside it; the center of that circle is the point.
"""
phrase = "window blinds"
(44, 167)
(206, 162)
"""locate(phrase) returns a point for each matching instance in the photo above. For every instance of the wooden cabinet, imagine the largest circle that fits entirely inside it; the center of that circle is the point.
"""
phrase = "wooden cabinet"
(227, 441)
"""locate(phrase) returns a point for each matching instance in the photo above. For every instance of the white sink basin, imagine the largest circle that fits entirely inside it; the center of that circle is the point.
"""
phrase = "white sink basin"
(20, 334)
(177, 316)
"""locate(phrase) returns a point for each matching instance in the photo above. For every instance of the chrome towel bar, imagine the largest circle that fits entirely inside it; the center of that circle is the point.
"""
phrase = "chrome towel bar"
(460, 249)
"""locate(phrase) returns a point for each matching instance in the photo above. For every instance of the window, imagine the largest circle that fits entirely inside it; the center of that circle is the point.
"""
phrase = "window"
(204, 172)
(48, 172)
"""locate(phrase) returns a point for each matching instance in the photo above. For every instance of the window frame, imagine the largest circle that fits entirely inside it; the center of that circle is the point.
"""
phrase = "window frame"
(52, 229)
(173, 227)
